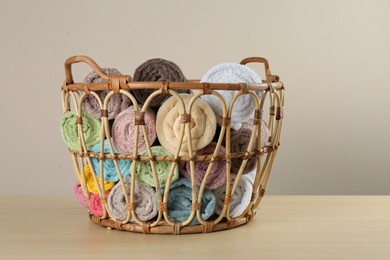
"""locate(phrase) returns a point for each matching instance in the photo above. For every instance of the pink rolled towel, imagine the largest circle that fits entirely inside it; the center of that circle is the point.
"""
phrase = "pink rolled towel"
(123, 131)
(217, 176)
(117, 103)
(95, 205)
(79, 194)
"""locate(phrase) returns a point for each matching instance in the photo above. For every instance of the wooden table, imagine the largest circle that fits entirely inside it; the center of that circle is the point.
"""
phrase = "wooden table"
(286, 227)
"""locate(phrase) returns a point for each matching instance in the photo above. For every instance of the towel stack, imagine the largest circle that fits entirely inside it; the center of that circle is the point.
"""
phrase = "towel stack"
(175, 126)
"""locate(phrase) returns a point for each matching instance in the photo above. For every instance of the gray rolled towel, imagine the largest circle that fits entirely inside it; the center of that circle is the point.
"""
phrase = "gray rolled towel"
(117, 103)
(156, 70)
(145, 201)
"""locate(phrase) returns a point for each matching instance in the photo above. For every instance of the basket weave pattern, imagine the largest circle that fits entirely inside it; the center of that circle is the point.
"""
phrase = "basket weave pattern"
(272, 101)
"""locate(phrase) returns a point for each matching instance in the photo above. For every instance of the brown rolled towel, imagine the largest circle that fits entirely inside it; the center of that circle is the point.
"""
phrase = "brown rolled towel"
(239, 143)
(156, 70)
(265, 132)
(117, 103)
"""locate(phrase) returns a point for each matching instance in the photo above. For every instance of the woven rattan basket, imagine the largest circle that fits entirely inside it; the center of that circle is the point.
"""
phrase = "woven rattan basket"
(269, 107)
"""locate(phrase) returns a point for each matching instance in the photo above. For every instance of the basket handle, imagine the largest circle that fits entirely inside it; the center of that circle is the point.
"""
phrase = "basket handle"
(85, 59)
(269, 77)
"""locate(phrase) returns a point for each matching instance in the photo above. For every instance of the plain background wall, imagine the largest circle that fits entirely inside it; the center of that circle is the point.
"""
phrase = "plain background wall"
(333, 56)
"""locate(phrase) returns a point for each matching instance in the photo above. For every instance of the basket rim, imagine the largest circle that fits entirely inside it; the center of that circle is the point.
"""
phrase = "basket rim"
(189, 85)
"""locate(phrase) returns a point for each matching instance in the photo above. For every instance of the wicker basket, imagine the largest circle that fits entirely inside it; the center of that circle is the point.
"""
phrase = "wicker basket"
(73, 95)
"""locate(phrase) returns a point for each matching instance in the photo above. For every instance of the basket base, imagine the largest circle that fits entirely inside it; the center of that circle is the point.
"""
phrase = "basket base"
(168, 229)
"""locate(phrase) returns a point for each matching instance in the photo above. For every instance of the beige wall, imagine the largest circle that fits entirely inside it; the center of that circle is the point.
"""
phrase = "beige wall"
(334, 57)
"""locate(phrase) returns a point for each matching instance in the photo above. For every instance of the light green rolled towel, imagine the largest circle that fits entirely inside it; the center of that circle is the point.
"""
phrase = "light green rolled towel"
(91, 129)
(144, 169)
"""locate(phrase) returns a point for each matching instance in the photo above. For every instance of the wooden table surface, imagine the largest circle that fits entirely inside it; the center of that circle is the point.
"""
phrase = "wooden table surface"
(286, 227)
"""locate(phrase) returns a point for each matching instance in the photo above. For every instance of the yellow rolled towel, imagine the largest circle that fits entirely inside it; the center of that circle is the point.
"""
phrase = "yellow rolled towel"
(203, 124)
(91, 187)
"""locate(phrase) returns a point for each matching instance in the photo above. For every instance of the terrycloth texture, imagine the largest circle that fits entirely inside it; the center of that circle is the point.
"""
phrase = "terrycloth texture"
(145, 201)
(180, 202)
(78, 193)
(144, 169)
(123, 131)
(90, 126)
(95, 205)
(156, 70)
(241, 196)
(239, 141)
(117, 102)
(265, 132)
(203, 124)
(244, 106)
(217, 176)
(109, 170)
(91, 187)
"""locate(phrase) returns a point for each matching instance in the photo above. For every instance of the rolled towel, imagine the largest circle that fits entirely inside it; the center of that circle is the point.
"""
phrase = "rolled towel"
(109, 170)
(240, 198)
(117, 102)
(244, 106)
(123, 130)
(217, 176)
(156, 70)
(144, 169)
(79, 194)
(265, 132)
(239, 141)
(203, 124)
(91, 187)
(145, 201)
(95, 205)
(90, 126)
(180, 202)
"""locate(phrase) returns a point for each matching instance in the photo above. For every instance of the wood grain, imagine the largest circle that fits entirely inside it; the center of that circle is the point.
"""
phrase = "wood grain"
(286, 227)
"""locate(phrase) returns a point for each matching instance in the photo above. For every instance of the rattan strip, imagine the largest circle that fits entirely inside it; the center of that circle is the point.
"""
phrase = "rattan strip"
(168, 229)
(193, 85)
(206, 158)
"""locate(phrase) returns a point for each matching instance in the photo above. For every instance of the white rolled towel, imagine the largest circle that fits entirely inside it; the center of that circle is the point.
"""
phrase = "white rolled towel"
(244, 106)
(241, 196)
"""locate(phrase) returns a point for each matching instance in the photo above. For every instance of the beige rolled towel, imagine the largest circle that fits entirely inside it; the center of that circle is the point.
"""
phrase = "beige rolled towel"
(203, 124)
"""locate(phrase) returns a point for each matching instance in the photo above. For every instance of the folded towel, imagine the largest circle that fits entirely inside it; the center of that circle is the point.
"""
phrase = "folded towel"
(144, 169)
(203, 124)
(95, 205)
(180, 202)
(145, 201)
(123, 131)
(239, 141)
(217, 176)
(156, 70)
(244, 106)
(79, 194)
(69, 131)
(117, 102)
(109, 170)
(91, 187)
(241, 196)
